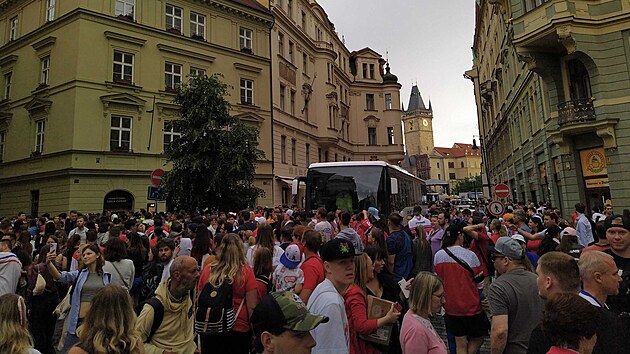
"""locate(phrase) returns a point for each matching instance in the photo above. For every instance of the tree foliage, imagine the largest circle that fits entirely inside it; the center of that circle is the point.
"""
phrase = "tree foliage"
(214, 160)
(470, 184)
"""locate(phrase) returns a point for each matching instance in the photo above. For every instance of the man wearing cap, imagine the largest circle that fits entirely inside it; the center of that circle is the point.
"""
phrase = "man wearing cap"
(333, 337)
(281, 324)
(513, 298)
(618, 235)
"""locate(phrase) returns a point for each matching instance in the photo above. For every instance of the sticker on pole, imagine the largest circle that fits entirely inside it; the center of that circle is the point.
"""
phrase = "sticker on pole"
(502, 190)
(496, 208)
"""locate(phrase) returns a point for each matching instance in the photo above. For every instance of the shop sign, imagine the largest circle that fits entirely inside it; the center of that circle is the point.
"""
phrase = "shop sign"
(596, 182)
(593, 162)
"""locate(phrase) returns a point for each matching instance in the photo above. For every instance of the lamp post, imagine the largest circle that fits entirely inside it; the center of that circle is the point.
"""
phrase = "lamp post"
(475, 148)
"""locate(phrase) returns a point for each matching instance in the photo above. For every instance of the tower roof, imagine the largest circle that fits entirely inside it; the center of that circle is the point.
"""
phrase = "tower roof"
(415, 101)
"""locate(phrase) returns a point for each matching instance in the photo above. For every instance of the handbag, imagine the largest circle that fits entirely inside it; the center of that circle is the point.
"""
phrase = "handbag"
(40, 284)
(63, 308)
(120, 275)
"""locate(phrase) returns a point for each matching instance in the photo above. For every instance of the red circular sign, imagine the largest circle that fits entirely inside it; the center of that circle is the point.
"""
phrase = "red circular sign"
(502, 190)
(156, 177)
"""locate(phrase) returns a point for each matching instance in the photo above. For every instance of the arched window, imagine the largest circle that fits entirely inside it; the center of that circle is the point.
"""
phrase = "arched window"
(118, 200)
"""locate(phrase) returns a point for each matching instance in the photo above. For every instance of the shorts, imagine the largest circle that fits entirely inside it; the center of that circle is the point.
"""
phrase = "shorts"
(468, 326)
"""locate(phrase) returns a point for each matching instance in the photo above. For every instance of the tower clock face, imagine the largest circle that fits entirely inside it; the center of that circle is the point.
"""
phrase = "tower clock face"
(425, 122)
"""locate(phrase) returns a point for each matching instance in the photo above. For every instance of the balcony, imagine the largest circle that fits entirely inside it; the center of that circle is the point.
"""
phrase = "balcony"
(548, 25)
(576, 112)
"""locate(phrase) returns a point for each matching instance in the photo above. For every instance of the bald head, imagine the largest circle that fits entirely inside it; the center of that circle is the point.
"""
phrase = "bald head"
(180, 263)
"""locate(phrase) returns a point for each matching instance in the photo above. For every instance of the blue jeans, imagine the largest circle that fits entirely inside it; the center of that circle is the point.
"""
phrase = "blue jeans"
(69, 342)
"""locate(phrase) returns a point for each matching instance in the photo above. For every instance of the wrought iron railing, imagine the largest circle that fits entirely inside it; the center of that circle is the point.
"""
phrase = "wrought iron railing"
(576, 112)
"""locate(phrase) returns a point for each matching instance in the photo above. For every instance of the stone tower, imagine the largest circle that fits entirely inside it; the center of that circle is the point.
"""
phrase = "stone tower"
(418, 125)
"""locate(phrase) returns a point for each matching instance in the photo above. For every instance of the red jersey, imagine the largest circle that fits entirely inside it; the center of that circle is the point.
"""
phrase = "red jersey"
(313, 269)
(460, 290)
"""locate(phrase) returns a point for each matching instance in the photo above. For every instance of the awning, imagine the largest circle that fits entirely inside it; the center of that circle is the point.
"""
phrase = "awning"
(435, 182)
(286, 180)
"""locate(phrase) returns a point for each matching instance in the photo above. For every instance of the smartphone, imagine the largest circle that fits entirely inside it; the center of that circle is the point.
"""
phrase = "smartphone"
(398, 307)
(53, 247)
(403, 287)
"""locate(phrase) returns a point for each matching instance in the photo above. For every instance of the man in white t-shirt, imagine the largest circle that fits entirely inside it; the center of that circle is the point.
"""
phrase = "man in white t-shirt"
(323, 225)
(80, 230)
(333, 337)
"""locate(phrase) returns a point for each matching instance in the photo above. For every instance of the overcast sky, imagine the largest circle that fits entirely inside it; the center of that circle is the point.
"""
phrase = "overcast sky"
(429, 42)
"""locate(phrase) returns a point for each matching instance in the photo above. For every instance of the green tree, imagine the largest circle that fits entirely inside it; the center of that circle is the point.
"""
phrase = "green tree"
(470, 184)
(214, 160)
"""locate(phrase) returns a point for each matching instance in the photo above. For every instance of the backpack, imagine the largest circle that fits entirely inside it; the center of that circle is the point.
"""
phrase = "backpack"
(152, 275)
(214, 313)
(266, 282)
(158, 314)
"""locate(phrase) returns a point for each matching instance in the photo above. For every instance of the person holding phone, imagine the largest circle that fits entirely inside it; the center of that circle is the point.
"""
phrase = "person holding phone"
(41, 300)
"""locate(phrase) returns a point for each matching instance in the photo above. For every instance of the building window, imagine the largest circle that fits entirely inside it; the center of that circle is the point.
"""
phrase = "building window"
(307, 149)
(282, 89)
(291, 58)
(532, 4)
(294, 152)
(283, 149)
(326, 156)
(125, 8)
(462, 164)
(120, 134)
(388, 101)
(390, 135)
(35, 202)
(281, 43)
(451, 165)
(247, 91)
(371, 71)
(290, 8)
(197, 26)
(303, 21)
(305, 63)
(172, 76)
(438, 166)
(13, 29)
(170, 134)
(194, 72)
(50, 10)
(369, 101)
(336, 157)
(371, 136)
(3, 137)
(45, 73)
(40, 129)
(365, 70)
(451, 176)
(173, 18)
(7, 85)
(292, 103)
(123, 67)
(246, 36)
(319, 154)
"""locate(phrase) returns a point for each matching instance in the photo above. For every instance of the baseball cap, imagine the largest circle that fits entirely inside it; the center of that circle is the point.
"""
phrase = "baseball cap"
(374, 212)
(568, 231)
(283, 310)
(291, 257)
(336, 249)
(508, 247)
(622, 221)
(290, 212)
(519, 237)
(261, 220)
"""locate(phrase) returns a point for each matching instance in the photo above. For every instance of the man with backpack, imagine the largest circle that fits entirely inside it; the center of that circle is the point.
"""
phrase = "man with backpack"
(166, 321)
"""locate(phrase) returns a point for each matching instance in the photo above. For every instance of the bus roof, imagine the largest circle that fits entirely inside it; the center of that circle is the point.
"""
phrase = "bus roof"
(361, 164)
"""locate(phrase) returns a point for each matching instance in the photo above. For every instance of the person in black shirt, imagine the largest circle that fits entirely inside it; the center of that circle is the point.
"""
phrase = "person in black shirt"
(618, 236)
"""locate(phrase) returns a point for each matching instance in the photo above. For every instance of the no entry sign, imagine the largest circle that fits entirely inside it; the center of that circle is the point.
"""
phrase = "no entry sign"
(156, 177)
(502, 190)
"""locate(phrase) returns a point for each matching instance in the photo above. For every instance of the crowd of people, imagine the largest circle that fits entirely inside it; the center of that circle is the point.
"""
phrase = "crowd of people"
(283, 280)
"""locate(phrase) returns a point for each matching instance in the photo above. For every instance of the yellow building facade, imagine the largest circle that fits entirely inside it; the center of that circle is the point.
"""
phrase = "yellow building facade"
(455, 164)
(88, 86)
(329, 103)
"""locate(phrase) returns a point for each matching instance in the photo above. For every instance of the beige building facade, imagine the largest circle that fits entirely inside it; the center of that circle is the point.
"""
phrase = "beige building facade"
(455, 164)
(329, 104)
(87, 91)
(552, 86)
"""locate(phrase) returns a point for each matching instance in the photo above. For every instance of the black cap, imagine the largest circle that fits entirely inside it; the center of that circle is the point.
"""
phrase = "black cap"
(337, 249)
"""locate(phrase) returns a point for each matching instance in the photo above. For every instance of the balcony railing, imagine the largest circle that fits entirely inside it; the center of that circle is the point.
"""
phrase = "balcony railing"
(576, 112)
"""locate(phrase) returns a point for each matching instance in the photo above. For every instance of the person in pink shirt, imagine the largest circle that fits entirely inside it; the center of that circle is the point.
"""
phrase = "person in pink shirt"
(417, 334)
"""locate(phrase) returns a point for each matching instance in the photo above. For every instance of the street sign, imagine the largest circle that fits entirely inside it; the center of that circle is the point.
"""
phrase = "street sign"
(496, 208)
(156, 177)
(502, 190)
(154, 193)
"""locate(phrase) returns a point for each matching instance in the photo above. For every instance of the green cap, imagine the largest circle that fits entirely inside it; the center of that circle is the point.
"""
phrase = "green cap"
(284, 310)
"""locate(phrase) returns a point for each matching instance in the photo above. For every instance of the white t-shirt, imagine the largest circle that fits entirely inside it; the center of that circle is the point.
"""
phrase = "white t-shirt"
(277, 252)
(285, 279)
(326, 229)
(325, 300)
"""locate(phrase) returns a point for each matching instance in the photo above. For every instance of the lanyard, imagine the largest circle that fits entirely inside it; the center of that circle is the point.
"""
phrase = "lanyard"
(585, 293)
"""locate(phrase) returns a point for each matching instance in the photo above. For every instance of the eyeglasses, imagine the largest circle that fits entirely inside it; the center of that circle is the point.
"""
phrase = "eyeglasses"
(440, 296)
(494, 257)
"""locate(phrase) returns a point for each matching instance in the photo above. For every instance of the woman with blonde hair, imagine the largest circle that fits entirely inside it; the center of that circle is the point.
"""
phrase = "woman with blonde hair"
(355, 301)
(110, 325)
(417, 334)
(14, 335)
(86, 283)
(231, 265)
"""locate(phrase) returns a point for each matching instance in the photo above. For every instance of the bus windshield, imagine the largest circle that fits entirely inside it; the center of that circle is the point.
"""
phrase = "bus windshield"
(345, 187)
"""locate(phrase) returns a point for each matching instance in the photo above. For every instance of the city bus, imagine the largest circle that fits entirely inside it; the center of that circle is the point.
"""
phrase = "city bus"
(358, 185)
